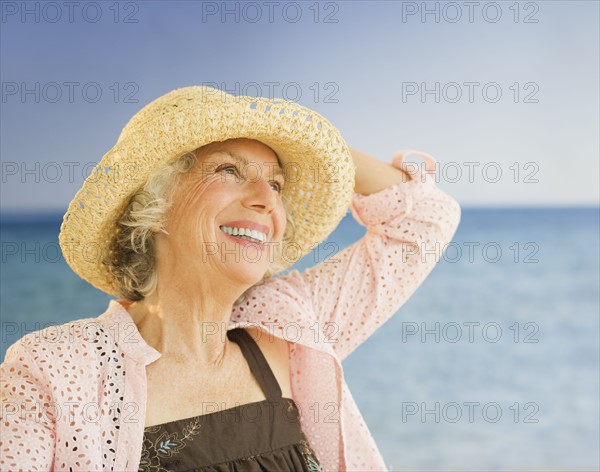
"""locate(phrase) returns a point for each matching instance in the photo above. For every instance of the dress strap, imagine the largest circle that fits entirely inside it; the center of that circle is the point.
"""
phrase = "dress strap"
(257, 362)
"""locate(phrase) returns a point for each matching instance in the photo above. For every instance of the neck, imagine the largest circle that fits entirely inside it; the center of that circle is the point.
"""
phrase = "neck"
(184, 328)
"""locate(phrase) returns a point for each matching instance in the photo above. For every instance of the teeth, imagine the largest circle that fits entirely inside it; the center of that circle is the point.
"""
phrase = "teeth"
(246, 233)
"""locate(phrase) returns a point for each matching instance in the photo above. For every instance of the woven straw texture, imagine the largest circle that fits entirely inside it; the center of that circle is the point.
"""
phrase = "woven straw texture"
(313, 153)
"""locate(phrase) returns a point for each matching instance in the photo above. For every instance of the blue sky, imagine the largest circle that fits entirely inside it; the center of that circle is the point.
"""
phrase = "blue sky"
(363, 65)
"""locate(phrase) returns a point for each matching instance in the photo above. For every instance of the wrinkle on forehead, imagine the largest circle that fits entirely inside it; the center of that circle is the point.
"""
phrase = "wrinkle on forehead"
(220, 146)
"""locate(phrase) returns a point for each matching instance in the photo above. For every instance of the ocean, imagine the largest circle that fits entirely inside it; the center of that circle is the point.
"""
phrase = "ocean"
(492, 365)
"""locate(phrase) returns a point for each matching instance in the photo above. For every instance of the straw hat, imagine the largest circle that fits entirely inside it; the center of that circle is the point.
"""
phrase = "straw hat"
(317, 163)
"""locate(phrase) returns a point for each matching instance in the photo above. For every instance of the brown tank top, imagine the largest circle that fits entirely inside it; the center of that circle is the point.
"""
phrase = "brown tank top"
(257, 436)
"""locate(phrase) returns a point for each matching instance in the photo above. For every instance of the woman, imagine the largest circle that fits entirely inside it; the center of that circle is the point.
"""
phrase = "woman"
(207, 361)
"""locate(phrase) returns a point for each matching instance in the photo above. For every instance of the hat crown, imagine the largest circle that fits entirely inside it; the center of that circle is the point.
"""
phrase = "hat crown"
(173, 101)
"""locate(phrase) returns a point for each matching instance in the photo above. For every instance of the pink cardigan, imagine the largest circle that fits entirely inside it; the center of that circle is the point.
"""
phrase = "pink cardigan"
(74, 395)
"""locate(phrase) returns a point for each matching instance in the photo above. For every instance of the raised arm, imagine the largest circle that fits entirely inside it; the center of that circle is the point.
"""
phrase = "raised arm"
(409, 221)
(372, 175)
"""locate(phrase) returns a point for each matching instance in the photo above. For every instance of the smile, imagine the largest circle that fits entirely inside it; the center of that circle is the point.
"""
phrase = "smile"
(245, 233)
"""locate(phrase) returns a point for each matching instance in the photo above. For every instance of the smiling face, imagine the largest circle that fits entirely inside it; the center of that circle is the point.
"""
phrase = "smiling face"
(224, 211)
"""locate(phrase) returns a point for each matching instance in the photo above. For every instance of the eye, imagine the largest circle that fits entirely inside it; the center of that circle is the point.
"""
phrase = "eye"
(227, 168)
(277, 186)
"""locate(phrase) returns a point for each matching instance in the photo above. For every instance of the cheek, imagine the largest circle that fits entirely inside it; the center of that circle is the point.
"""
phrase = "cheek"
(282, 219)
(192, 215)
(204, 195)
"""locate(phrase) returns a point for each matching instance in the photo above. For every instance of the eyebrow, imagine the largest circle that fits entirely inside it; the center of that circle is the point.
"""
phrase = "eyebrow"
(243, 160)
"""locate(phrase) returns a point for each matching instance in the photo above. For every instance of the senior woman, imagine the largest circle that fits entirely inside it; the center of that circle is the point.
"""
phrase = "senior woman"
(207, 360)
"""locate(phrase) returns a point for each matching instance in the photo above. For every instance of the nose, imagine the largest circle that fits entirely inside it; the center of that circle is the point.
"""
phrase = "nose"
(260, 196)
